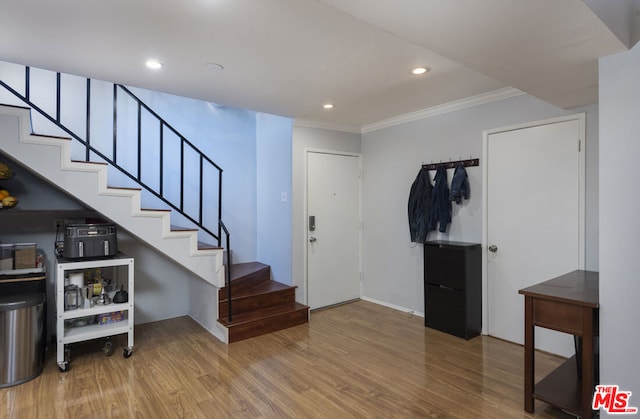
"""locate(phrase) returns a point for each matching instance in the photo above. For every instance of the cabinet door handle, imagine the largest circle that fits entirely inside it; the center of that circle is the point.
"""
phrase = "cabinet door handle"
(493, 248)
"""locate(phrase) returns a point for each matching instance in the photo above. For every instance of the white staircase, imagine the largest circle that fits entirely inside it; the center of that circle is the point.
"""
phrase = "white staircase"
(50, 157)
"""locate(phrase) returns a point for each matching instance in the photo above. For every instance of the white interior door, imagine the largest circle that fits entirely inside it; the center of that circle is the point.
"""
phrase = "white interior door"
(534, 219)
(333, 235)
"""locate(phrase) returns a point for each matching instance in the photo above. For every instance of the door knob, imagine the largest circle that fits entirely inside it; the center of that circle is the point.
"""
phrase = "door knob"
(493, 248)
(312, 239)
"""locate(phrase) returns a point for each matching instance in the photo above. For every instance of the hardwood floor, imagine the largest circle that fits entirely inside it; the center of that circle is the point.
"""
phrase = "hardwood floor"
(355, 360)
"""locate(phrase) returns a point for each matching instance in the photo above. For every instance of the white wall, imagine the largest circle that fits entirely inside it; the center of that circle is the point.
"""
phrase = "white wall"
(273, 186)
(228, 136)
(314, 138)
(392, 265)
(620, 221)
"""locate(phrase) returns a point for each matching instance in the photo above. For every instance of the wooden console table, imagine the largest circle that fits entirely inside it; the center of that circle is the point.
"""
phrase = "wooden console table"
(568, 303)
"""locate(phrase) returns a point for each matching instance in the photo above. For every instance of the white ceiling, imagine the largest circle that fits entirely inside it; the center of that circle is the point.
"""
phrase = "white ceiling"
(289, 57)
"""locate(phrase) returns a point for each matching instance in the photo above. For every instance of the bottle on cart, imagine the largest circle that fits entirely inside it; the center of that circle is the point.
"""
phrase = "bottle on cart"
(97, 282)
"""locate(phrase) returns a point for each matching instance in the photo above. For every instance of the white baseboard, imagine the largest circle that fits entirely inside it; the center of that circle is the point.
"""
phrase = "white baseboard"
(393, 306)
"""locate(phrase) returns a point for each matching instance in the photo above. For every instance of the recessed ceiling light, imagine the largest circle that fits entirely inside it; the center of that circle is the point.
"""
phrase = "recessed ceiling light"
(154, 64)
(328, 106)
(419, 70)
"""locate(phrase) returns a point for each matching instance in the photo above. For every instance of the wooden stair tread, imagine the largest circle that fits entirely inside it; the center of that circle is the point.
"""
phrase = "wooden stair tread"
(55, 137)
(265, 287)
(178, 228)
(123, 188)
(207, 246)
(246, 276)
(239, 270)
(99, 163)
(262, 314)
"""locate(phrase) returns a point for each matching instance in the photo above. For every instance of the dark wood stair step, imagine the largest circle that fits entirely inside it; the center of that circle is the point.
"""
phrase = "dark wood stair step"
(260, 322)
(245, 276)
(259, 304)
(263, 287)
(178, 228)
(242, 270)
(269, 294)
(207, 246)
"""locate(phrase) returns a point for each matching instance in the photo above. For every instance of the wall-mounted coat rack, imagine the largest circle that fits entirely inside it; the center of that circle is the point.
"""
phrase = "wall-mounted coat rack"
(452, 164)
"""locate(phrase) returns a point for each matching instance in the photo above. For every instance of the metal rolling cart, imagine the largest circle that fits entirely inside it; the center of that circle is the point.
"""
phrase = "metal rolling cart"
(99, 320)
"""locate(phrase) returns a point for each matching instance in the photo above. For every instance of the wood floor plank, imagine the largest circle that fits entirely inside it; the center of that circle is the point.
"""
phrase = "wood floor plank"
(357, 360)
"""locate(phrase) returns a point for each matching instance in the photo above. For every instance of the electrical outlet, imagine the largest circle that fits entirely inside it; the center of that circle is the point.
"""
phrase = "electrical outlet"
(58, 224)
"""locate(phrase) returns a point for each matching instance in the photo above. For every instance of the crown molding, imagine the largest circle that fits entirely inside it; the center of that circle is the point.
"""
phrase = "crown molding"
(321, 125)
(456, 105)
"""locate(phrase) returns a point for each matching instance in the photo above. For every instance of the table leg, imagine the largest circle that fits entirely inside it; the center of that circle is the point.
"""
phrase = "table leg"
(587, 363)
(529, 358)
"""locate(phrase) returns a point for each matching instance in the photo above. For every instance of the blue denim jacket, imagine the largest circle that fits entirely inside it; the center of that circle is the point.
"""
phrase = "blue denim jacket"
(418, 206)
(459, 185)
(440, 204)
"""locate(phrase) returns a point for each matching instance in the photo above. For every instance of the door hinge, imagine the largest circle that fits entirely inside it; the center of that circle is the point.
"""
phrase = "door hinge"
(579, 146)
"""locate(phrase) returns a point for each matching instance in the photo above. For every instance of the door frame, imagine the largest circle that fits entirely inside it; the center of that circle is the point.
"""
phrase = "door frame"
(581, 118)
(305, 215)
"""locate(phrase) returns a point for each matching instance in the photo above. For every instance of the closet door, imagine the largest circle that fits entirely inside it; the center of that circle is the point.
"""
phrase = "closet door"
(535, 214)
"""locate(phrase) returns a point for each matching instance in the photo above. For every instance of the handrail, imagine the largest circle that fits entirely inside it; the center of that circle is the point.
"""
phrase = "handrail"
(227, 270)
(204, 162)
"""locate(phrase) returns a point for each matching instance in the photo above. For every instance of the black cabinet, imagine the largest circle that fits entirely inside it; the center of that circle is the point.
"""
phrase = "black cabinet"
(453, 287)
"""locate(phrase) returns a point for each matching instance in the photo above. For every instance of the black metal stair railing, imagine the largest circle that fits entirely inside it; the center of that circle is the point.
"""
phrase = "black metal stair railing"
(204, 163)
(227, 270)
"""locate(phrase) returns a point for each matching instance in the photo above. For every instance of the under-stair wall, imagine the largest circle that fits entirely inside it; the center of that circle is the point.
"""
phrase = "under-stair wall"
(163, 287)
(48, 158)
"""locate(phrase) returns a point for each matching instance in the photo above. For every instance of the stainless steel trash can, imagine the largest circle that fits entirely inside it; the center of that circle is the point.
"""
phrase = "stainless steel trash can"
(22, 340)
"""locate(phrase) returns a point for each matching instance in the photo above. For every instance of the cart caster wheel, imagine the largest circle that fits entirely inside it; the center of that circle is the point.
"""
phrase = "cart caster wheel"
(107, 348)
(126, 352)
(64, 366)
